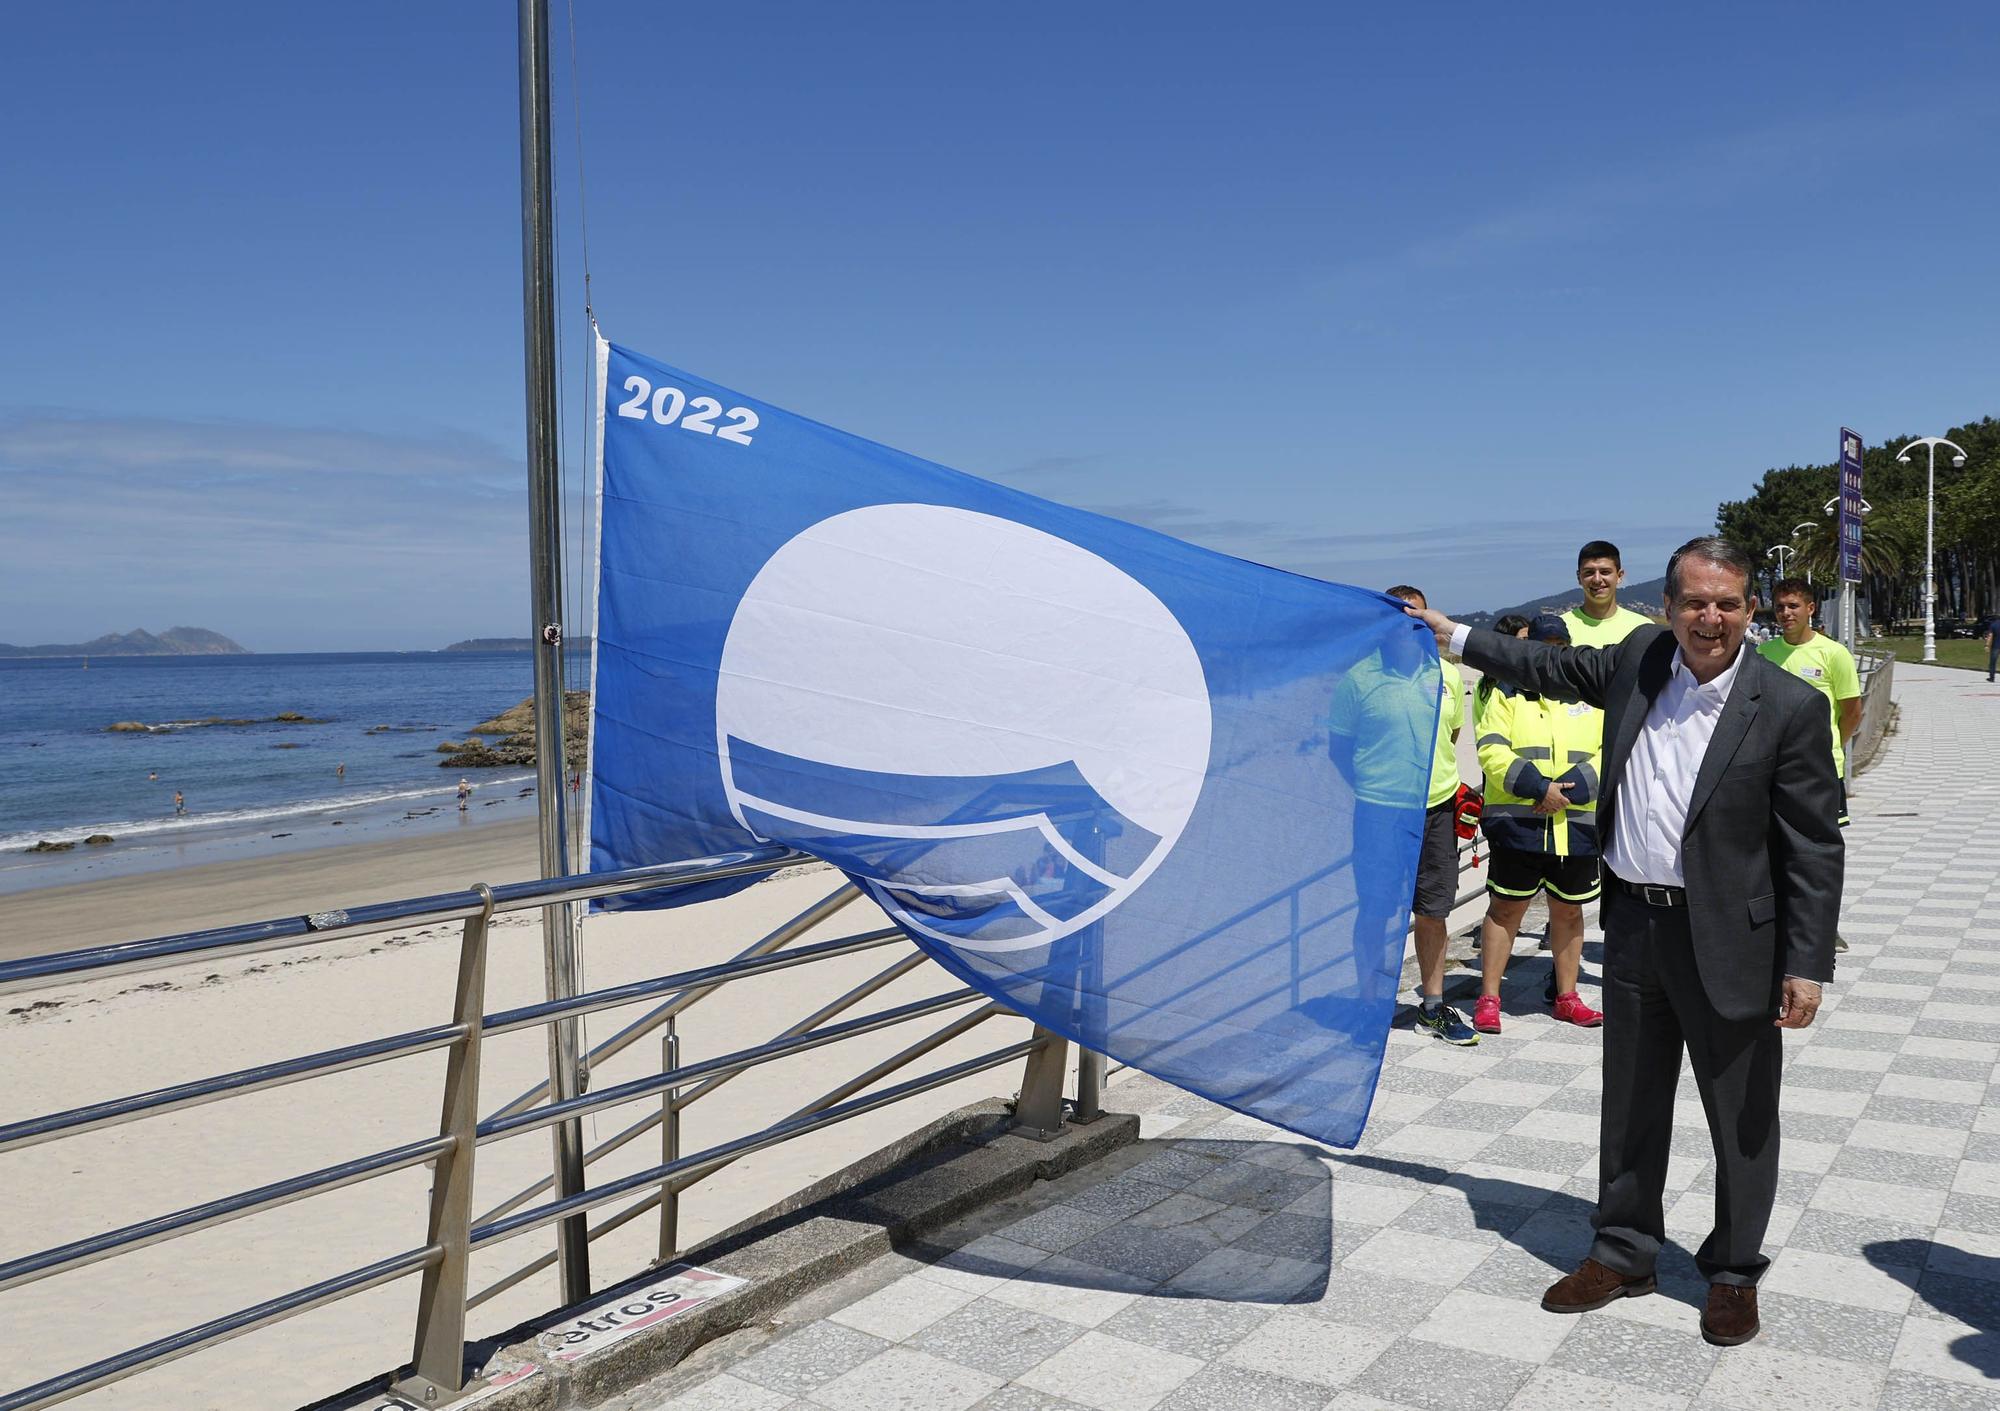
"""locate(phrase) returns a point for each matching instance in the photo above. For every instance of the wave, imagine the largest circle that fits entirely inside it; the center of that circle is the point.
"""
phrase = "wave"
(155, 828)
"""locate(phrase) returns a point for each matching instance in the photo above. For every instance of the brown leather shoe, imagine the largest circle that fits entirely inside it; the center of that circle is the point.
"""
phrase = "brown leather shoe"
(1593, 1286)
(1731, 1316)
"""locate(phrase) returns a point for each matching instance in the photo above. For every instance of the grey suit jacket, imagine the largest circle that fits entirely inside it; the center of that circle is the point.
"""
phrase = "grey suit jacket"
(1762, 852)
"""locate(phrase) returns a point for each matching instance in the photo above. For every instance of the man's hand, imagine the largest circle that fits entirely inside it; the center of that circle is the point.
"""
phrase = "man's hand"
(1437, 622)
(1556, 800)
(1798, 1002)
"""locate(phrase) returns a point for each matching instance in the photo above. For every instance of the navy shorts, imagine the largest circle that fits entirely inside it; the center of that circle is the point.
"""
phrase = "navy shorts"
(1437, 862)
(1519, 874)
(1380, 834)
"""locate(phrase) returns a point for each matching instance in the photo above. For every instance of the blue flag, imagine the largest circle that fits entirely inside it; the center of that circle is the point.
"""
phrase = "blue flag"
(1163, 801)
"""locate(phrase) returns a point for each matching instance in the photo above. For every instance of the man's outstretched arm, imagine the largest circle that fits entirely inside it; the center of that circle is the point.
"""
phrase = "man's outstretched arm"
(1560, 673)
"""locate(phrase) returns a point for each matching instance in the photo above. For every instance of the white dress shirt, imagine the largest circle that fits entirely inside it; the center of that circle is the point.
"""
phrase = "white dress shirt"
(1658, 782)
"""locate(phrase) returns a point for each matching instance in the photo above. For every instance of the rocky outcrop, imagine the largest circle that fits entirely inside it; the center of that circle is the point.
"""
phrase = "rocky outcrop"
(99, 840)
(46, 846)
(283, 717)
(515, 745)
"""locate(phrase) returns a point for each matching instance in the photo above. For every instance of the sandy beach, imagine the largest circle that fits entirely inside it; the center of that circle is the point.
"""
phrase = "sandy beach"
(75, 1044)
(93, 913)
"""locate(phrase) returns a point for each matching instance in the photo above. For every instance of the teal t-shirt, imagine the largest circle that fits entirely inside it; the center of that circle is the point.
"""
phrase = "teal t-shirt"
(1374, 696)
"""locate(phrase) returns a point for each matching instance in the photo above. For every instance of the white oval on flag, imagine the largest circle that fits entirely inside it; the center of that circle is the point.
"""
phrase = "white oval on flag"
(895, 675)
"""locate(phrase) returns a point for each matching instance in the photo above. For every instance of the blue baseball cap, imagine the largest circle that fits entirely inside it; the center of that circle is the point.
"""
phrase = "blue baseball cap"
(1547, 627)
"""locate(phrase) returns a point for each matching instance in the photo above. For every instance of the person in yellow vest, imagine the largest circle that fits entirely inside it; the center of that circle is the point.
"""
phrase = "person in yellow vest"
(1373, 702)
(1598, 621)
(1819, 661)
(1540, 758)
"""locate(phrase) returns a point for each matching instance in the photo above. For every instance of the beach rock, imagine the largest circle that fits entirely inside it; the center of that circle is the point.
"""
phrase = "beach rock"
(46, 846)
(516, 745)
(515, 750)
(513, 721)
(290, 717)
(98, 840)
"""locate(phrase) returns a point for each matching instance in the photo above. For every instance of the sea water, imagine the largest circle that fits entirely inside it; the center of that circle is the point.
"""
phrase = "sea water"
(67, 775)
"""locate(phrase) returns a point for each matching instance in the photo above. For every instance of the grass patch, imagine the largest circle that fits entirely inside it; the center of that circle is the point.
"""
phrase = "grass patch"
(1966, 654)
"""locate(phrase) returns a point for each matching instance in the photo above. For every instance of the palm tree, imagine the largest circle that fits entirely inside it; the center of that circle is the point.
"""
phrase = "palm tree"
(1887, 550)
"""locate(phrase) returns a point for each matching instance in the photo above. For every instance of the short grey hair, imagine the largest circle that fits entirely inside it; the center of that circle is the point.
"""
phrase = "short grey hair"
(1711, 548)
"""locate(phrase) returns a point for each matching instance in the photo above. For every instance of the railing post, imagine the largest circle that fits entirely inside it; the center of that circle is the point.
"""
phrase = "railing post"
(1089, 1086)
(1297, 996)
(438, 1362)
(670, 1146)
(1038, 1111)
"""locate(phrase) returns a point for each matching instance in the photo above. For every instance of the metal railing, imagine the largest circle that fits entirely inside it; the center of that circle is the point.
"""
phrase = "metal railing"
(453, 1232)
(1878, 681)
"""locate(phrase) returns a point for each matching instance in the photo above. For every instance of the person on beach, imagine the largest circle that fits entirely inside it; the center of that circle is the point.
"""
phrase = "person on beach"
(1540, 759)
(464, 793)
(1821, 663)
(1598, 621)
(180, 804)
(1716, 818)
(1437, 865)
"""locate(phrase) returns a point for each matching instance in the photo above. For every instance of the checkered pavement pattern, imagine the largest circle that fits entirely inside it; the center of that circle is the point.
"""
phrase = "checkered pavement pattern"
(1222, 1263)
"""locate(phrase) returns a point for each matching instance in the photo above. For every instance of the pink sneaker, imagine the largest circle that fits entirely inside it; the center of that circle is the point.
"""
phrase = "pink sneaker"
(1486, 1014)
(1571, 1009)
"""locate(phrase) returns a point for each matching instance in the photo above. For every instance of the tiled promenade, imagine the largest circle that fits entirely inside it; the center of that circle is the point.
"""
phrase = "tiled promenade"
(1221, 1263)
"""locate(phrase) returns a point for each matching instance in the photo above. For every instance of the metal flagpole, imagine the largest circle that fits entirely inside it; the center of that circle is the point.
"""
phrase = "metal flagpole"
(545, 560)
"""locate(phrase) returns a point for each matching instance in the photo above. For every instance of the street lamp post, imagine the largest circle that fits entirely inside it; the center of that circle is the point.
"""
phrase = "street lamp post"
(1930, 445)
(1783, 552)
(1808, 524)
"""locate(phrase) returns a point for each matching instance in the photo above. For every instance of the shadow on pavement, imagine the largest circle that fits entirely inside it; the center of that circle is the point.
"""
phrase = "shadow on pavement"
(1224, 1220)
(1955, 1282)
(1552, 1226)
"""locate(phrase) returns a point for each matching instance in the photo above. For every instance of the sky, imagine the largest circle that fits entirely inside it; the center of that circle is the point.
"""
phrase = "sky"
(1426, 293)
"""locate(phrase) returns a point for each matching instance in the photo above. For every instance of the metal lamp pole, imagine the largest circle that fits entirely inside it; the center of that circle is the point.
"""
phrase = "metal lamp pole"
(1930, 445)
(1808, 524)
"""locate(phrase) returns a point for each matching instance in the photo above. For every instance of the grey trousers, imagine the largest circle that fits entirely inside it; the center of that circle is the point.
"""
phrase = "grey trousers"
(1654, 1008)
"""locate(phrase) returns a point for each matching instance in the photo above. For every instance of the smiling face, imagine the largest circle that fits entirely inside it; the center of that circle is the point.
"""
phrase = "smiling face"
(1599, 579)
(1709, 615)
(1793, 613)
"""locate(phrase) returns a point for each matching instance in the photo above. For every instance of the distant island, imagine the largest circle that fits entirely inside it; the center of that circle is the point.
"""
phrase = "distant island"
(493, 644)
(1644, 597)
(174, 642)
(511, 644)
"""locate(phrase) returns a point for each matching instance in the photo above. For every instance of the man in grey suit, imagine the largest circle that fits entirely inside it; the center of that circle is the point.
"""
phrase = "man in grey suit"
(1717, 814)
